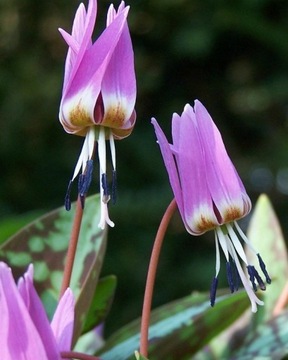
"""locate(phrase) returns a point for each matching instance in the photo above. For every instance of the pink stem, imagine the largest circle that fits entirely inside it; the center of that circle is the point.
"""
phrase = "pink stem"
(71, 252)
(77, 355)
(150, 281)
(281, 302)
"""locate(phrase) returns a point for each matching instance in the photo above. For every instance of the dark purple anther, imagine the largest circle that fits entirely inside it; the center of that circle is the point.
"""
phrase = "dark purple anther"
(67, 201)
(229, 272)
(263, 268)
(213, 290)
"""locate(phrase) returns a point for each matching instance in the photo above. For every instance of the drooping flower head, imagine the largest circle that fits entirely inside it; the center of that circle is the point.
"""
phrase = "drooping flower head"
(25, 329)
(209, 193)
(99, 94)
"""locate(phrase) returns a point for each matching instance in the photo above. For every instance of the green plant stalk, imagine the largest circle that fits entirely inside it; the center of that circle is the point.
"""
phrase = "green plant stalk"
(151, 275)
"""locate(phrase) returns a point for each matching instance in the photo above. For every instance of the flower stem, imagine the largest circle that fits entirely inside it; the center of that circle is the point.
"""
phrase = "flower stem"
(281, 302)
(72, 247)
(150, 281)
(77, 355)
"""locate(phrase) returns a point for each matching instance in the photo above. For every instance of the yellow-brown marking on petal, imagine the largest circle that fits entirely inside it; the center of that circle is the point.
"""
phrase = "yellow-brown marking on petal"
(80, 117)
(231, 214)
(204, 224)
(114, 117)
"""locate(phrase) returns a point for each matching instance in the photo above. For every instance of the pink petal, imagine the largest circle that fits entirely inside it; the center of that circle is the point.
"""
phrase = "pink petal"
(224, 184)
(37, 313)
(119, 83)
(126, 129)
(198, 207)
(82, 30)
(19, 338)
(170, 165)
(85, 87)
(98, 55)
(63, 321)
(73, 42)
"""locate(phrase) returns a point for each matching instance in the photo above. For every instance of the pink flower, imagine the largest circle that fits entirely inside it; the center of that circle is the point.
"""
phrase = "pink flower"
(209, 193)
(99, 94)
(25, 330)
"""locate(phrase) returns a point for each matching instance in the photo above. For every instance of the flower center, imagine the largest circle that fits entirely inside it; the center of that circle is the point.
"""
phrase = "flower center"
(104, 190)
(228, 239)
(85, 162)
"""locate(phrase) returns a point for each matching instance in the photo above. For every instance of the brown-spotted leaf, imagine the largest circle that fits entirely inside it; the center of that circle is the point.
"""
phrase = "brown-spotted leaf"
(269, 341)
(101, 302)
(44, 243)
(179, 329)
(265, 234)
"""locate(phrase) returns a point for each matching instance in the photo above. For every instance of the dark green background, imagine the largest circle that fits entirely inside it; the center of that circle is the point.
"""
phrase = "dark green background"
(232, 55)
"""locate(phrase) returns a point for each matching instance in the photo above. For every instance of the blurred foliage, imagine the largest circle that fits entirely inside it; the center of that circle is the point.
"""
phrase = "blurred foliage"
(232, 55)
(182, 329)
(38, 243)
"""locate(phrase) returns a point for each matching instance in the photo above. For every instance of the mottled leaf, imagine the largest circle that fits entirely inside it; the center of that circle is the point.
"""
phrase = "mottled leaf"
(44, 243)
(265, 234)
(269, 341)
(178, 329)
(101, 303)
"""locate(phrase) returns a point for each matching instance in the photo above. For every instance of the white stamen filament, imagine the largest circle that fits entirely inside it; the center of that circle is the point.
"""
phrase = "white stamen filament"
(236, 243)
(253, 298)
(102, 151)
(230, 244)
(112, 149)
(217, 255)
(86, 152)
(104, 215)
(91, 142)
(223, 242)
(244, 237)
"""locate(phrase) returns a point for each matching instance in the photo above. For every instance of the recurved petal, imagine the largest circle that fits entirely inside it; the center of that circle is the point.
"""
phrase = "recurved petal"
(170, 166)
(73, 41)
(84, 23)
(225, 186)
(82, 30)
(119, 83)
(111, 13)
(19, 338)
(125, 130)
(63, 321)
(37, 313)
(199, 215)
(77, 106)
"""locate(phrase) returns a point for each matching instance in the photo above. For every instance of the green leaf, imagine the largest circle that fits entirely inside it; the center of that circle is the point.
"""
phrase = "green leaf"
(101, 302)
(270, 341)
(179, 329)
(90, 342)
(266, 236)
(44, 243)
(11, 225)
